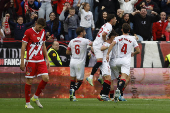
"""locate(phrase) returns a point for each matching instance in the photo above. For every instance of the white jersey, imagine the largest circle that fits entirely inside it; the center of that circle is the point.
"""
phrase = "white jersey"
(125, 44)
(78, 47)
(107, 28)
(105, 51)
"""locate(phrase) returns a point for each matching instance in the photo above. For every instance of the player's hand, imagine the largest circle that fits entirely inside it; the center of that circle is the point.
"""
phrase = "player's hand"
(48, 64)
(132, 54)
(107, 58)
(22, 66)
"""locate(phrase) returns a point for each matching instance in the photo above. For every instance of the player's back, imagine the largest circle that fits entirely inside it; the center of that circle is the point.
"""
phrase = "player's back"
(79, 48)
(106, 44)
(107, 28)
(125, 44)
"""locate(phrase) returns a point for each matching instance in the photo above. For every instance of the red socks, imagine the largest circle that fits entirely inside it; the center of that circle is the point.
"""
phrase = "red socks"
(27, 92)
(41, 86)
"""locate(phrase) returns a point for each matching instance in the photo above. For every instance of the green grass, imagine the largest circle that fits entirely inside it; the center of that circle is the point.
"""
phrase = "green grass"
(16, 105)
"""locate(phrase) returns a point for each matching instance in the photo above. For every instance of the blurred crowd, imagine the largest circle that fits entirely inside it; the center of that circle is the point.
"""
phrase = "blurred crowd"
(149, 19)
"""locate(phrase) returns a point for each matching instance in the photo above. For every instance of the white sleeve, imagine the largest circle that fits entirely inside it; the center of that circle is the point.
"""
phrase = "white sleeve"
(81, 9)
(92, 21)
(116, 39)
(69, 46)
(134, 1)
(87, 41)
(107, 29)
(105, 44)
(121, 1)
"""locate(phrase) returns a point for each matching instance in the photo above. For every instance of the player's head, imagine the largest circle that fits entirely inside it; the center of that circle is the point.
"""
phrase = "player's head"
(80, 31)
(112, 35)
(20, 20)
(111, 18)
(55, 45)
(40, 24)
(126, 28)
(72, 11)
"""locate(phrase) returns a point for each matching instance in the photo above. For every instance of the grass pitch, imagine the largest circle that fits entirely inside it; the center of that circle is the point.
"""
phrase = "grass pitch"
(16, 105)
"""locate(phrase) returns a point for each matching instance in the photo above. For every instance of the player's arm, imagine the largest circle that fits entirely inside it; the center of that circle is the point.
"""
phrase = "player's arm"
(22, 65)
(109, 49)
(68, 51)
(45, 54)
(137, 51)
(104, 48)
(104, 36)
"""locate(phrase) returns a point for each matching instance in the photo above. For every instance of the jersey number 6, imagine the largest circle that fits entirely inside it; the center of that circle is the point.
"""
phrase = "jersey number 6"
(77, 50)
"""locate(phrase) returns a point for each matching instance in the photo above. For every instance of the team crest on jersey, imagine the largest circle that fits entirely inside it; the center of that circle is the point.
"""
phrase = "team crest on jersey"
(27, 73)
(38, 38)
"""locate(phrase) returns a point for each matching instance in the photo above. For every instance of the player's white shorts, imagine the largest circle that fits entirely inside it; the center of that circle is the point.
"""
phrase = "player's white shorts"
(97, 51)
(114, 69)
(123, 65)
(77, 69)
(105, 68)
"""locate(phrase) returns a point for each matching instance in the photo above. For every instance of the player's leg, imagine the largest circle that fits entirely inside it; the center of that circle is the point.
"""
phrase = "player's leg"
(43, 72)
(100, 79)
(99, 56)
(106, 88)
(28, 92)
(30, 72)
(73, 80)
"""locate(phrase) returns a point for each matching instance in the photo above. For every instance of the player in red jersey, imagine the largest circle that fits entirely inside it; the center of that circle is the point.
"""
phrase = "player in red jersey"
(34, 42)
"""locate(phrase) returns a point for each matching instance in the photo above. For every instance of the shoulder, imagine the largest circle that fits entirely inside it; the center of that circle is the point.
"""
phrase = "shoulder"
(28, 30)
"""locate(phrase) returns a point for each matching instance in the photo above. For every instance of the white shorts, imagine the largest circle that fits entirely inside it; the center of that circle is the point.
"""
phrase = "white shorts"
(77, 70)
(123, 65)
(114, 69)
(105, 68)
(97, 51)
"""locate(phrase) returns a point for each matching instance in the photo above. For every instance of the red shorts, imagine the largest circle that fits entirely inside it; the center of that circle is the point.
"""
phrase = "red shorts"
(36, 69)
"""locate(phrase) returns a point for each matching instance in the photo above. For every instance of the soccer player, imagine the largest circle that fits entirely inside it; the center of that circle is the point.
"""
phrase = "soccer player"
(78, 49)
(102, 36)
(105, 69)
(125, 43)
(34, 42)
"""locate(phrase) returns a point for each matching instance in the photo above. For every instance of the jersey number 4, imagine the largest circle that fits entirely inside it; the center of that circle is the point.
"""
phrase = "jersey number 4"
(124, 48)
(77, 49)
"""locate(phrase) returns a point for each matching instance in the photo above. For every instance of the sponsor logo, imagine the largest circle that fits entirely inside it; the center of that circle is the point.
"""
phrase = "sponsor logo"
(10, 62)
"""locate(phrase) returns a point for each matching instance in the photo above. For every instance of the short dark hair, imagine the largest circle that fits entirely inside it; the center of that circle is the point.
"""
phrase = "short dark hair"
(72, 8)
(85, 3)
(113, 33)
(109, 17)
(66, 2)
(19, 17)
(41, 21)
(143, 8)
(79, 30)
(126, 27)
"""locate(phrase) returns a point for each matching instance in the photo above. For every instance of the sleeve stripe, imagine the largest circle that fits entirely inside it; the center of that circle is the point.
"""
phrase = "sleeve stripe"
(68, 48)
(24, 41)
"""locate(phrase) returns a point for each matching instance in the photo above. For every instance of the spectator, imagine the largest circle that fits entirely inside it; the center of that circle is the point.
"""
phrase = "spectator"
(111, 6)
(119, 16)
(127, 5)
(76, 2)
(101, 19)
(53, 27)
(61, 4)
(149, 5)
(158, 27)
(165, 6)
(72, 22)
(2, 4)
(31, 18)
(45, 9)
(142, 23)
(125, 19)
(64, 14)
(19, 27)
(166, 29)
(53, 56)
(33, 6)
(87, 20)
(167, 61)
(18, 7)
